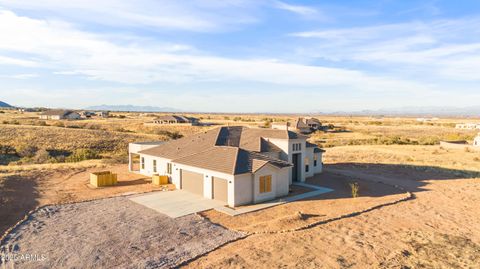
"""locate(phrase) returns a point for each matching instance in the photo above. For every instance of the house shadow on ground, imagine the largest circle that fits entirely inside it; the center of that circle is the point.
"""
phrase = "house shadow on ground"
(376, 180)
(18, 195)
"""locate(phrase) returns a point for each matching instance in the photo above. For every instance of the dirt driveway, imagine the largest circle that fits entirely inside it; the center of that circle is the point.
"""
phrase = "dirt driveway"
(112, 233)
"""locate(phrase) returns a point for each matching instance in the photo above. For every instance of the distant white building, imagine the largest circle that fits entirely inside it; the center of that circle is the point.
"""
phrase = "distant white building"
(59, 115)
(469, 126)
(476, 142)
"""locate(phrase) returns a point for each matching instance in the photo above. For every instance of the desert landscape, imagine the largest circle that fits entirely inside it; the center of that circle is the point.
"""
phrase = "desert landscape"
(416, 205)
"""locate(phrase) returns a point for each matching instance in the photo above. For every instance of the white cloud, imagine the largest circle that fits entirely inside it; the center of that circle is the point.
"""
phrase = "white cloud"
(439, 49)
(195, 15)
(69, 51)
(5, 60)
(298, 9)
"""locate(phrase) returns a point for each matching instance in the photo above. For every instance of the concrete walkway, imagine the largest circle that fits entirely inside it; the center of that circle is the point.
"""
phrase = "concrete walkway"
(252, 208)
(175, 203)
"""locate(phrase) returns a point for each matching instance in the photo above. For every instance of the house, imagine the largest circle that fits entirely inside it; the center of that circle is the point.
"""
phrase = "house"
(87, 114)
(176, 119)
(57, 114)
(102, 114)
(237, 165)
(476, 141)
(469, 126)
(301, 125)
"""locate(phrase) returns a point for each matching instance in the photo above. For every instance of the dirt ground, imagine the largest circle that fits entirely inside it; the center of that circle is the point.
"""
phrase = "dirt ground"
(325, 206)
(438, 229)
(22, 191)
(111, 233)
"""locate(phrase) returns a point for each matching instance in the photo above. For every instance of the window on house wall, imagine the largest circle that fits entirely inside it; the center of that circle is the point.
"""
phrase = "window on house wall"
(169, 168)
(307, 165)
(299, 146)
(315, 159)
(142, 161)
(265, 184)
(154, 166)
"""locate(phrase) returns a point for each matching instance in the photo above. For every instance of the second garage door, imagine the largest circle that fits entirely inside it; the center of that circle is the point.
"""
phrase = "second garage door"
(220, 189)
(192, 182)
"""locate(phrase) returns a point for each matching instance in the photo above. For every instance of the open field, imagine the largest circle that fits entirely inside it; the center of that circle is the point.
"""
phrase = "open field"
(437, 228)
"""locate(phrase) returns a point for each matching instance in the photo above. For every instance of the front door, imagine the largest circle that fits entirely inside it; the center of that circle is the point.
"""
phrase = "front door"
(295, 161)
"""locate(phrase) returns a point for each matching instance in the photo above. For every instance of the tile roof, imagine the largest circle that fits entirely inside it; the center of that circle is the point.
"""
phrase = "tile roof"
(231, 150)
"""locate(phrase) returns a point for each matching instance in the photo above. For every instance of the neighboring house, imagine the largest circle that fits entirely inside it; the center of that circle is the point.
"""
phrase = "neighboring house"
(175, 119)
(236, 165)
(476, 141)
(301, 125)
(470, 126)
(88, 114)
(103, 114)
(59, 115)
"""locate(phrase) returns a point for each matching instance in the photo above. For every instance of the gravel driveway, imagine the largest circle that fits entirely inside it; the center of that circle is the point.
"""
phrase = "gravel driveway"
(111, 233)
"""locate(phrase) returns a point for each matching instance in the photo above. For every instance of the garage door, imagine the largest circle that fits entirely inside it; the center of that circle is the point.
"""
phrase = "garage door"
(220, 189)
(192, 182)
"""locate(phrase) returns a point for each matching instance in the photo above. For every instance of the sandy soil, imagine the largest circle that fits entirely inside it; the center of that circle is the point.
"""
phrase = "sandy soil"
(112, 233)
(22, 191)
(314, 209)
(438, 229)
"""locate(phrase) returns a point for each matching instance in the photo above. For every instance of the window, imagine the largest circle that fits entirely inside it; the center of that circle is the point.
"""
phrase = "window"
(265, 184)
(297, 146)
(154, 166)
(169, 168)
(142, 161)
(315, 159)
(307, 165)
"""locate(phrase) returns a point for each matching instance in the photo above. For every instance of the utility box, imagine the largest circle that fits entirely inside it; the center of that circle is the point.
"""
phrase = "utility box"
(159, 180)
(104, 178)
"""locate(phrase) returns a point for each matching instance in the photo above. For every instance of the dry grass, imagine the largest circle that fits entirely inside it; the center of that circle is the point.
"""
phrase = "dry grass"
(419, 156)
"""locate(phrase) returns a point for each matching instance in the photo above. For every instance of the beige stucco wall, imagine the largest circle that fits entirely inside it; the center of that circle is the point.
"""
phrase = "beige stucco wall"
(244, 185)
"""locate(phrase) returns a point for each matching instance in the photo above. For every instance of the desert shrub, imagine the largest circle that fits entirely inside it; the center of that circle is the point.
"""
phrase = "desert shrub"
(93, 127)
(5, 122)
(7, 150)
(42, 156)
(26, 151)
(226, 118)
(15, 122)
(476, 159)
(1, 111)
(59, 124)
(354, 189)
(42, 123)
(82, 155)
(237, 119)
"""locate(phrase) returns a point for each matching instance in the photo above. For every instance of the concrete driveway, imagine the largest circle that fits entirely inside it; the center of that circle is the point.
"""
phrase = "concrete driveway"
(175, 203)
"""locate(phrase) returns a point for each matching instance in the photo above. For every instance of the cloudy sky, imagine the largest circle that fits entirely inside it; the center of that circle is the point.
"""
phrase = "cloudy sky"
(240, 55)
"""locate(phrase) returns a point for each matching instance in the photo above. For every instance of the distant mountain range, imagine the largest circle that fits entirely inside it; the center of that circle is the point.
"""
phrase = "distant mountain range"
(132, 108)
(471, 111)
(3, 104)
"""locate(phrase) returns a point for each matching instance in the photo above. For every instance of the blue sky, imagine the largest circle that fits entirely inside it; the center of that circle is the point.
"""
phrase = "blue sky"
(240, 55)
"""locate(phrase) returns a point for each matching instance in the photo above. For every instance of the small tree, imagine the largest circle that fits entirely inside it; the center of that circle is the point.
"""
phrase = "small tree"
(82, 155)
(26, 151)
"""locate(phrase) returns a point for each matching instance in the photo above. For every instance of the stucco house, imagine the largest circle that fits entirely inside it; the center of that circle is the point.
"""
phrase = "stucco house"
(176, 119)
(236, 165)
(58, 114)
(302, 125)
(476, 141)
